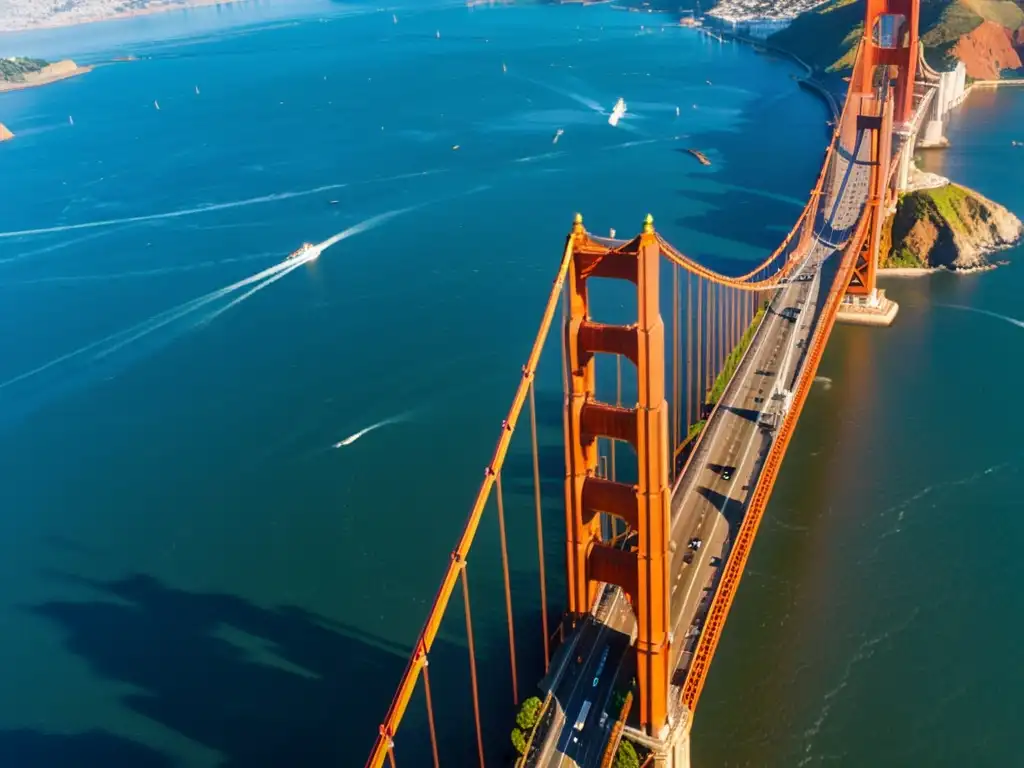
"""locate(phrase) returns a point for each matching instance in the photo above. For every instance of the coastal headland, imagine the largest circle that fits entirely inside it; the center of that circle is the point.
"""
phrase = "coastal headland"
(945, 227)
(18, 74)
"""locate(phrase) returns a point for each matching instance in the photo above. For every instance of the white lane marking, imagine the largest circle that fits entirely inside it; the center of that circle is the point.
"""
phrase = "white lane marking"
(597, 643)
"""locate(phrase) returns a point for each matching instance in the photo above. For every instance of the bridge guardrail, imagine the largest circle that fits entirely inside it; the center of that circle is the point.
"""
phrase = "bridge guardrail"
(523, 760)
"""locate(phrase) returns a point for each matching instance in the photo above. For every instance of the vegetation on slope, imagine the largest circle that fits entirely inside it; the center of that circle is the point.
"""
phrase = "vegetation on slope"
(13, 70)
(826, 38)
(948, 226)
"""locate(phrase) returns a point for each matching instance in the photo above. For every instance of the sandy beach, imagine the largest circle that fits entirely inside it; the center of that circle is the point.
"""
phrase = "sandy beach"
(21, 15)
(51, 73)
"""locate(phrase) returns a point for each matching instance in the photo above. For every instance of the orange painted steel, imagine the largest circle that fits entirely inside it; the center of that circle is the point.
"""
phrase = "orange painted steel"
(642, 572)
(733, 571)
(903, 55)
(457, 563)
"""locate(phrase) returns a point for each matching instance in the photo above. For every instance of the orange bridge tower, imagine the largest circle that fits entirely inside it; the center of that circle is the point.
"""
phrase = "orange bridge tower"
(642, 572)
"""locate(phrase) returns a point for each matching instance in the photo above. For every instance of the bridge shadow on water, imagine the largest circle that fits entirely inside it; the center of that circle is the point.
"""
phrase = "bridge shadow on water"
(263, 687)
(94, 749)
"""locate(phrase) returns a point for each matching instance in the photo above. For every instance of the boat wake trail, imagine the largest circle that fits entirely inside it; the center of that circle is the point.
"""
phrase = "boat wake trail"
(207, 208)
(367, 430)
(1004, 318)
(109, 344)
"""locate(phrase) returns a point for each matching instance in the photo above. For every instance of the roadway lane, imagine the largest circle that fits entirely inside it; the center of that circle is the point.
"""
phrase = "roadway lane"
(706, 505)
(564, 744)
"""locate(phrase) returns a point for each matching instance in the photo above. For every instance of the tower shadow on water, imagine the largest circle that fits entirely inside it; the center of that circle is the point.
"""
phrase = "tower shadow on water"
(263, 687)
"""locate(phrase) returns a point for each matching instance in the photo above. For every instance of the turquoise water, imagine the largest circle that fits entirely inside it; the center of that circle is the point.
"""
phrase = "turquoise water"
(196, 576)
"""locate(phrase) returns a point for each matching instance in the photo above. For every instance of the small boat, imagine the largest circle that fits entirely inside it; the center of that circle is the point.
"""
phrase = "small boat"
(71, 120)
(394, 19)
(617, 112)
(438, 34)
(303, 250)
(700, 156)
(332, 202)
(558, 135)
(197, 90)
(454, 147)
(156, 104)
(677, 111)
(503, 67)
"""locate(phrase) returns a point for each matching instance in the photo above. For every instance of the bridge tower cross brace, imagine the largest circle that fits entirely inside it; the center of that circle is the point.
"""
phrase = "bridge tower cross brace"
(641, 571)
(902, 53)
(865, 268)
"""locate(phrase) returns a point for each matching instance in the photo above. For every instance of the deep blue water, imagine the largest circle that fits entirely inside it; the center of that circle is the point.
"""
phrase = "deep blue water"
(194, 574)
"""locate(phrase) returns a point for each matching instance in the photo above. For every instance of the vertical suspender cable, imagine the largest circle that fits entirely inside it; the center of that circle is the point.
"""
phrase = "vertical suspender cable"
(689, 350)
(430, 712)
(472, 666)
(675, 360)
(508, 588)
(540, 527)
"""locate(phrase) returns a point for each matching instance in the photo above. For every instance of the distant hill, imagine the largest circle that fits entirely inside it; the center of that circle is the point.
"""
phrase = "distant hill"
(987, 35)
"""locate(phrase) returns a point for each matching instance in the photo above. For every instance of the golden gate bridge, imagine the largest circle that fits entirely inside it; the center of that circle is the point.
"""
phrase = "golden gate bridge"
(718, 396)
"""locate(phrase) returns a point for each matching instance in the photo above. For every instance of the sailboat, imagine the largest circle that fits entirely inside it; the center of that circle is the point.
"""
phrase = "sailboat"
(156, 104)
(71, 120)
(438, 34)
(394, 19)
(677, 111)
(197, 90)
(503, 67)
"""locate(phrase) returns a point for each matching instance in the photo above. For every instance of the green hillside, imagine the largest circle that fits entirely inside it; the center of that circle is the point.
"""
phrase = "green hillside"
(816, 37)
(14, 69)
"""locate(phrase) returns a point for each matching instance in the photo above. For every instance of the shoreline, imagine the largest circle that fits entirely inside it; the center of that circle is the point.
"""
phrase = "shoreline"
(8, 87)
(900, 272)
(60, 23)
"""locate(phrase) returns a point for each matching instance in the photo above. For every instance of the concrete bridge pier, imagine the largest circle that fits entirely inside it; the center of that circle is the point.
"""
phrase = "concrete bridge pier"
(672, 748)
(950, 90)
(906, 162)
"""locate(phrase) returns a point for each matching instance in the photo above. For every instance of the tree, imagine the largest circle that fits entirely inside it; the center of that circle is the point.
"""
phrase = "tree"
(626, 756)
(528, 713)
(519, 741)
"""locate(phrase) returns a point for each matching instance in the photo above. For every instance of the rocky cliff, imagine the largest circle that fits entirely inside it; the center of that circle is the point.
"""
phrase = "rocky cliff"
(5, 133)
(948, 226)
(987, 50)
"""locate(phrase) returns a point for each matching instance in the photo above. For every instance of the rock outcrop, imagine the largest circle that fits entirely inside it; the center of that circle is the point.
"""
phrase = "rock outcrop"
(948, 226)
(5, 133)
(987, 50)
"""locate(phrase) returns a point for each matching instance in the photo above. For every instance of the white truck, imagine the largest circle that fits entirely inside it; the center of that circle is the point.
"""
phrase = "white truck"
(582, 718)
(776, 410)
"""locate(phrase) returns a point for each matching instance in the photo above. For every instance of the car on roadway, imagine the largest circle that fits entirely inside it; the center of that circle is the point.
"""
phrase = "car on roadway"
(727, 473)
(695, 543)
